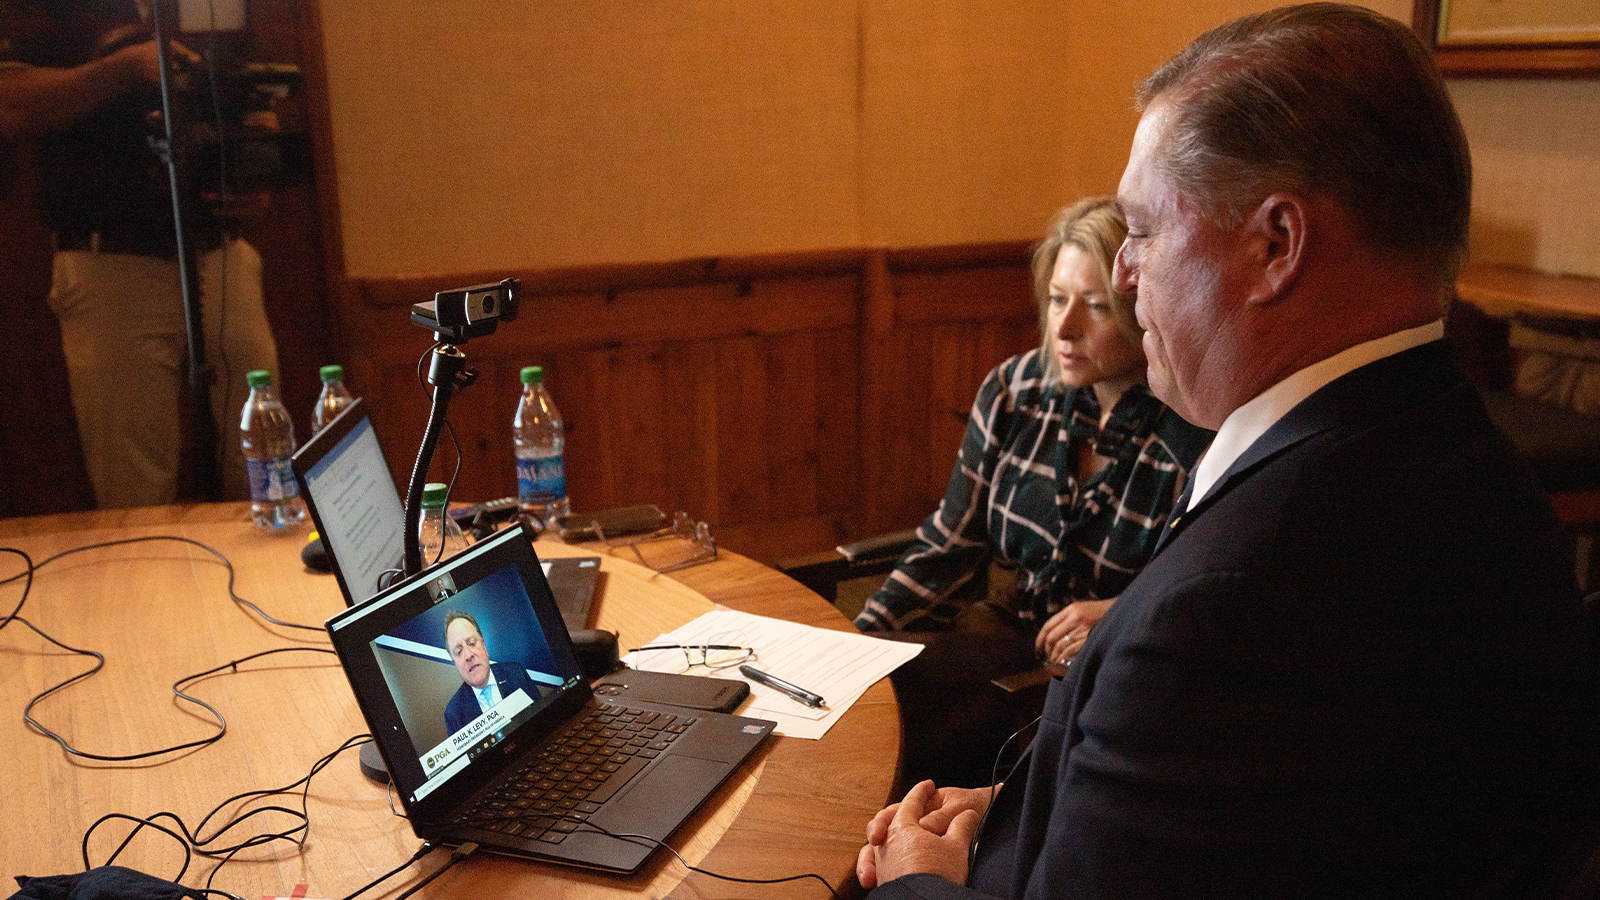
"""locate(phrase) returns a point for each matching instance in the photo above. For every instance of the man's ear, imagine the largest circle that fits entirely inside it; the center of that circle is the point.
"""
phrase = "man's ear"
(1277, 232)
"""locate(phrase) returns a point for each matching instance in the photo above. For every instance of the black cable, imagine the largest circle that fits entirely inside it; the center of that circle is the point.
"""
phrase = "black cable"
(149, 539)
(644, 838)
(100, 660)
(424, 850)
(994, 779)
(28, 574)
(149, 822)
(456, 855)
(466, 850)
(203, 842)
(422, 381)
(195, 841)
(177, 690)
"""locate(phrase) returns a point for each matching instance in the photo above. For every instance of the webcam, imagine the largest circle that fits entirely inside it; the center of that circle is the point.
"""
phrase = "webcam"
(458, 314)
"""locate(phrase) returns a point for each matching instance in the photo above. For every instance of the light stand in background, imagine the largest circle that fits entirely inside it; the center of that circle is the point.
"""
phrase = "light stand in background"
(202, 428)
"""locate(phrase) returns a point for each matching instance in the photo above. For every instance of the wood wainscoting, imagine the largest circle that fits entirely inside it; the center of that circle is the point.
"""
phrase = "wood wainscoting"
(793, 402)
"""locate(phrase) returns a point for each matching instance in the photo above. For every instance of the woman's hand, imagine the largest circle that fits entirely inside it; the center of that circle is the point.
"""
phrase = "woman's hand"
(1064, 633)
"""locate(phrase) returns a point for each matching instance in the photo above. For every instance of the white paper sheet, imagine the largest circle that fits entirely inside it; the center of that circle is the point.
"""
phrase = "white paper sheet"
(838, 665)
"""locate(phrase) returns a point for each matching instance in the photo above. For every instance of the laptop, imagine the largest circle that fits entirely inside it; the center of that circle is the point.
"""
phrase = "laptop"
(351, 496)
(505, 776)
(347, 487)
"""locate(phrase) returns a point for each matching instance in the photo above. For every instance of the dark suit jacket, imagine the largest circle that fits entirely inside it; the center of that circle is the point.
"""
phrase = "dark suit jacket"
(463, 706)
(1355, 669)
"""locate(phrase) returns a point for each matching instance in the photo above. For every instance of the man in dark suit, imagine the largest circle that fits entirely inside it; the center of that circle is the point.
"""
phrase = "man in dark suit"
(483, 683)
(1356, 665)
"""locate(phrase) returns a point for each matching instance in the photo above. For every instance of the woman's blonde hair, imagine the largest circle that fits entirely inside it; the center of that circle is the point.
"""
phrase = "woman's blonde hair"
(1095, 226)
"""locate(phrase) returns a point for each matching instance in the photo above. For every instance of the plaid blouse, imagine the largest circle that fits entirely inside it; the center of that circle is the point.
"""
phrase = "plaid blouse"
(1014, 497)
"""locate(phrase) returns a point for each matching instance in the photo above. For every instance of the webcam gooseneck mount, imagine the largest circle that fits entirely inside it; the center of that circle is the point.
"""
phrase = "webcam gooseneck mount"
(454, 317)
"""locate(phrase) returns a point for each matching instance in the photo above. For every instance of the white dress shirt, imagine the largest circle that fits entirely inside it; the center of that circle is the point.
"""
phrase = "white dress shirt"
(1245, 425)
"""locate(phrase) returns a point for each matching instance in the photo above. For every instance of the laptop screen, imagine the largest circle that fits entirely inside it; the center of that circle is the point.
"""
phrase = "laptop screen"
(358, 512)
(456, 667)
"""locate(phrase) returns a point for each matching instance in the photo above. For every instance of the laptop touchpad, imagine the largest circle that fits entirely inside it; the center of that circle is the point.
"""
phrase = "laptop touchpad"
(666, 795)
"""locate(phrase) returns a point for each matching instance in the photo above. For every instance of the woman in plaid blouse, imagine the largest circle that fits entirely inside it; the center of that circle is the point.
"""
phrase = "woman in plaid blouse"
(1066, 476)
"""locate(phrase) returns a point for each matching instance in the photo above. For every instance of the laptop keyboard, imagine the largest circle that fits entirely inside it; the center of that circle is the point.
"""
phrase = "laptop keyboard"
(579, 769)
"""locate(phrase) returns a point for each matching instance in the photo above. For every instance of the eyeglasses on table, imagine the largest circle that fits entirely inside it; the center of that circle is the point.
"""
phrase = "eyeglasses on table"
(682, 544)
(709, 656)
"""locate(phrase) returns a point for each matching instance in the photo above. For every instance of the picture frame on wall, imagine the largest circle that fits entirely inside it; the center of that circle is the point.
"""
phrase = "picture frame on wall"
(1499, 39)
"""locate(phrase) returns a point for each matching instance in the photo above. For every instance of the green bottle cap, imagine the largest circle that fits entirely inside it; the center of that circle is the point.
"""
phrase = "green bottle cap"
(257, 377)
(331, 373)
(434, 493)
(532, 374)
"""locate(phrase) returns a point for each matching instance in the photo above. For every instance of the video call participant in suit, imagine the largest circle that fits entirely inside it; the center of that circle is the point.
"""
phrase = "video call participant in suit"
(483, 683)
(1356, 666)
(1066, 474)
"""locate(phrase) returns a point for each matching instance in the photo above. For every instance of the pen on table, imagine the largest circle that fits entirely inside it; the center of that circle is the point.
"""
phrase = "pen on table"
(798, 693)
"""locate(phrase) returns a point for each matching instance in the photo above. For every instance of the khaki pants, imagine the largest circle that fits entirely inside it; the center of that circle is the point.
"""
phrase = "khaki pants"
(122, 329)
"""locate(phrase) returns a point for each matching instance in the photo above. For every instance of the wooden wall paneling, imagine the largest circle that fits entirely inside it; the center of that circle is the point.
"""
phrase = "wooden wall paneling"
(874, 350)
(905, 439)
(951, 385)
(838, 390)
(952, 308)
(381, 367)
(809, 434)
(480, 417)
(653, 315)
(399, 410)
(987, 293)
(618, 425)
(43, 469)
(743, 491)
(792, 419)
(689, 442)
(951, 323)
(793, 403)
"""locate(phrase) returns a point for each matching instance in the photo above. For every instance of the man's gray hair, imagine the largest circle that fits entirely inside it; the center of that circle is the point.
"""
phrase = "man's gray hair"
(1321, 99)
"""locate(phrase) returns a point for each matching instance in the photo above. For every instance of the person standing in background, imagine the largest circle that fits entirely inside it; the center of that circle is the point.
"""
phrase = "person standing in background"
(81, 78)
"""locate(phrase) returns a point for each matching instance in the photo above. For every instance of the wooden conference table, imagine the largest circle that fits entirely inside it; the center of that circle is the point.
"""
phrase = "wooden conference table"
(159, 611)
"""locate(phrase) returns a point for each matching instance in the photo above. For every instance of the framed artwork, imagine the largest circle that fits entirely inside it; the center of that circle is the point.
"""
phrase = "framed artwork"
(1512, 38)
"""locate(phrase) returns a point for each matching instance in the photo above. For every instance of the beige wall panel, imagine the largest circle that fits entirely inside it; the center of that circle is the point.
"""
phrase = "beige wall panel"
(1112, 46)
(478, 136)
(964, 112)
(1535, 143)
(1536, 168)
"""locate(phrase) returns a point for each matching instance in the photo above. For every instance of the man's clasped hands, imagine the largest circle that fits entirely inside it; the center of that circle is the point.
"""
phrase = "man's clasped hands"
(929, 831)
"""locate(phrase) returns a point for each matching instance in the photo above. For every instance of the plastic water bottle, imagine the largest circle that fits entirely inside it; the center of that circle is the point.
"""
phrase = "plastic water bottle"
(438, 534)
(335, 397)
(540, 441)
(267, 435)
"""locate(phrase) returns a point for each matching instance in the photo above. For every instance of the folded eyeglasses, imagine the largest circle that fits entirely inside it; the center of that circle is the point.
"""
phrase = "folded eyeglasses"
(682, 544)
